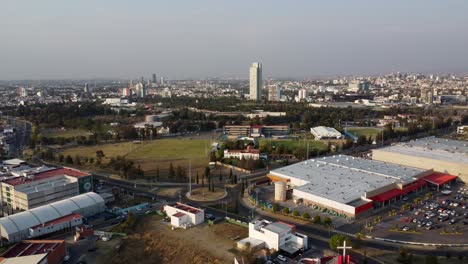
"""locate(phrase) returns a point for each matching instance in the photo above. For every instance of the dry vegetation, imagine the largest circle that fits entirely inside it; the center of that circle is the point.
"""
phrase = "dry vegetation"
(154, 242)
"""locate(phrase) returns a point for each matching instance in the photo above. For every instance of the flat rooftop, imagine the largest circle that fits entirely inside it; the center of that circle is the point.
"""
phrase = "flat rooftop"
(36, 186)
(277, 227)
(433, 148)
(345, 179)
(47, 174)
(186, 208)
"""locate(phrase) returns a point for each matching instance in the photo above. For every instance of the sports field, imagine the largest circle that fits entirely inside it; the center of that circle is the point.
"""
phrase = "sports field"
(67, 133)
(373, 132)
(153, 154)
(293, 144)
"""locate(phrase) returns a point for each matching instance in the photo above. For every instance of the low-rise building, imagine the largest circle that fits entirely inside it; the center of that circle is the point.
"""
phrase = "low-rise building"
(462, 130)
(322, 132)
(183, 215)
(30, 188)
(35, 252)
(50, 218)
(249, 153)
(279, 236)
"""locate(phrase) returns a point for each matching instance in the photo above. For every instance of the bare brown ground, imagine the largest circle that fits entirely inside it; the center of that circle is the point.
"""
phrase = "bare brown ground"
(155, 242)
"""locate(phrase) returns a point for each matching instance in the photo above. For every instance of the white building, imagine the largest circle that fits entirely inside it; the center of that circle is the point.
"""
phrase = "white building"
(33, 187)
(183, 215)
(140, 90)
(462, 130)
(274, 235)
(274, 93)
(322, 132)
(249, 153)
(256, 83)
(51, 217)
(302, 95)
(350, 186)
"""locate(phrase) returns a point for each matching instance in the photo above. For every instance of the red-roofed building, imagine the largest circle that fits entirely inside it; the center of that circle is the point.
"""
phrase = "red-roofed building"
(36, 189)
(249, 153)
(36, 251)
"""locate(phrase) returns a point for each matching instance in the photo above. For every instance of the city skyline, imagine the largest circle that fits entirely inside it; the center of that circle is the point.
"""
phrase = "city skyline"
(207, 39)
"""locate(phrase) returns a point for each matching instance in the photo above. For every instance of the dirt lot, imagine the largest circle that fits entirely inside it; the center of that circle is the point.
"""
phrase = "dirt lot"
(155, 242)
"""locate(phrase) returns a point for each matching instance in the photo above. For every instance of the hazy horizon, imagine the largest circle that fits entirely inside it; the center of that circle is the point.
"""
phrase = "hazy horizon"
(106, 39)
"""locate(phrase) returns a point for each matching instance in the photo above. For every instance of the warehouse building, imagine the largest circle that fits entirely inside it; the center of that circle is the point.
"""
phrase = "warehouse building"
(349, 186)
(183, 215)
(442, 155)
(35, 252)
(31, 188)
(51, 218)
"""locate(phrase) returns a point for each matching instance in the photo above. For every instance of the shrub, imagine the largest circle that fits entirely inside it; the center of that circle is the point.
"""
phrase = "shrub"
(327, 221)
(285, 210)
(305, 216)
(316, 219)
(295, 213)
(275, 208)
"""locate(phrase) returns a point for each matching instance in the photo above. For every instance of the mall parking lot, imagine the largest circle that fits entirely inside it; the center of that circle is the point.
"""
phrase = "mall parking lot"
(444, 216)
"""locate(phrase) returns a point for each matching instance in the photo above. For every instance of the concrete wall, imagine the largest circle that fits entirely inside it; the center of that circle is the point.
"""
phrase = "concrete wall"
(195, 219)
(323, 202)
(271, 239)
(457, 169)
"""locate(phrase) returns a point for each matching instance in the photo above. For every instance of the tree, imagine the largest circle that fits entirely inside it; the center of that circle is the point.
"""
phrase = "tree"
(197, 179)
(417, 200)
(316, 219)
(171, 171)
(431, 259)
(275, 208)
(327, 221)
(157, 173)
(230, 176)
(306, 216)
(285, 210)
(99, 156)
(428, 195)
(337, 240)
(69, 159)
(295, 213)
(207, 172)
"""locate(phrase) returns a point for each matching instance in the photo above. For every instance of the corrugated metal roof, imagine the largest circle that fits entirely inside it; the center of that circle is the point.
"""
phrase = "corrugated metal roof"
(46, 213)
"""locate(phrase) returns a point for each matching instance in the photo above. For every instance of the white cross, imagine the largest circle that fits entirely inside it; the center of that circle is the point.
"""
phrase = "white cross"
(344, 247)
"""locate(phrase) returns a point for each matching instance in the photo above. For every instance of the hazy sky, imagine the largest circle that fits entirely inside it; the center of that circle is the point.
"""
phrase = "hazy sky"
(56, 39)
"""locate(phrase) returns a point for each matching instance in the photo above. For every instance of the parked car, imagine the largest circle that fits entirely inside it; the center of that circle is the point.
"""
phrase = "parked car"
(405, 228)
(281, 257)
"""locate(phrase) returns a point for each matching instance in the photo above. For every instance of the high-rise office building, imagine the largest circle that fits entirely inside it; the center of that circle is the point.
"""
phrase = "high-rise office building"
(140, 90)
(274, 93)
(256, 83)
(86, 88)
(154, 78)
(162, 81)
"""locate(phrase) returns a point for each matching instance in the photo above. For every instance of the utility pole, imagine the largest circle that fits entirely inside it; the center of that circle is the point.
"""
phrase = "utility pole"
(190, 177)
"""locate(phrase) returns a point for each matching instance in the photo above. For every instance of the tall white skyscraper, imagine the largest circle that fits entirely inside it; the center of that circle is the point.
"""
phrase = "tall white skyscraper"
(256, 83)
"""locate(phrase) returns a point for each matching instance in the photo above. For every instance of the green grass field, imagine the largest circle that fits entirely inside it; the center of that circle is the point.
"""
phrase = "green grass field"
(373, 132)
(151, 155)
(69, 133)
(293, 144)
